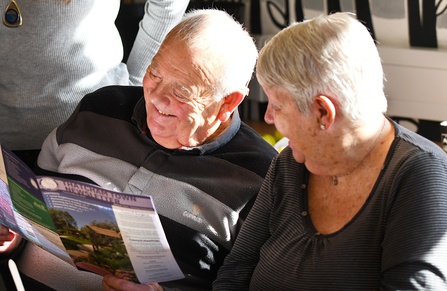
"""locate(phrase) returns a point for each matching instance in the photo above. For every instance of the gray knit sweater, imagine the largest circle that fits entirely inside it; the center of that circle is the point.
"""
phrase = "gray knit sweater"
(64, 51)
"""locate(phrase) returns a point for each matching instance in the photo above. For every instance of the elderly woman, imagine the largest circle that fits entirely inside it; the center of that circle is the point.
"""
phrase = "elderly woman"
(356, 202)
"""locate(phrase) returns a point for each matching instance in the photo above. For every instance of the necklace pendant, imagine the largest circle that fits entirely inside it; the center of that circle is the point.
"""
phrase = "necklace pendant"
(334, 181)
(12, 16)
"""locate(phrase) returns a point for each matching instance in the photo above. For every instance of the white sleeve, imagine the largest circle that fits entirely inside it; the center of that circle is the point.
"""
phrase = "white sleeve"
(160, 16)
(47, 159)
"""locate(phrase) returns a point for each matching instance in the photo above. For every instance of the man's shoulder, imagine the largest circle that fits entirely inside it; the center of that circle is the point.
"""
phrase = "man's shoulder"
(100, 107)
(248, 150)
(247, 138)
(112, 100)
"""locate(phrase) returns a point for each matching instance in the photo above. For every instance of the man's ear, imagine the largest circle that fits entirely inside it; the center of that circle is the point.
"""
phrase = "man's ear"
(230, 103)
(325, 110)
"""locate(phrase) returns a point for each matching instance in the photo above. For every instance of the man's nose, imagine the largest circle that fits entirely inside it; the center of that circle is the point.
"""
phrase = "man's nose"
(159, 94)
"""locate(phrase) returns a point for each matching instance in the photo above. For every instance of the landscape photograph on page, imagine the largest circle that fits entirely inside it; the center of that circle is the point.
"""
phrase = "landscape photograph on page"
(91, 228)
(88, 229)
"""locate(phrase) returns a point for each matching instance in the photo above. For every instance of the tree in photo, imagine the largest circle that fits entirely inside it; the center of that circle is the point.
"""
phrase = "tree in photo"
(109, 251)
(103, 234)
(64, 222)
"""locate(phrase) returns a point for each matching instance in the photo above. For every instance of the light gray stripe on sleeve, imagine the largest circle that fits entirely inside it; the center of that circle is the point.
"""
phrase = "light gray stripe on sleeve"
(187, 205)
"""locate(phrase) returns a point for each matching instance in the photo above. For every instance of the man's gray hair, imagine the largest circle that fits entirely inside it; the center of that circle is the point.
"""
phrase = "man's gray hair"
(332, 55)
(224, 41)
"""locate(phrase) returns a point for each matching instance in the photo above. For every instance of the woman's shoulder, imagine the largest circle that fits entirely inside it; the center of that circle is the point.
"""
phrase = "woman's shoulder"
(415, 165)
(285, 169)
(409, 145)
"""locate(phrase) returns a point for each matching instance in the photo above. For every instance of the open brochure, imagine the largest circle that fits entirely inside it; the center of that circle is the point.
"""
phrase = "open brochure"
(91, 228)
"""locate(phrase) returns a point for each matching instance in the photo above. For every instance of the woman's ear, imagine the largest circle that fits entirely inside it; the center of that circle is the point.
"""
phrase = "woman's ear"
(325, 110)
(230, 103)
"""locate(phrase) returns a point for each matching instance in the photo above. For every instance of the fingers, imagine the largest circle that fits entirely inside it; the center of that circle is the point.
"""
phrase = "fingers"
(112, 283)
(5, 234)
(3, 229)
(156, 287)
(9, 242)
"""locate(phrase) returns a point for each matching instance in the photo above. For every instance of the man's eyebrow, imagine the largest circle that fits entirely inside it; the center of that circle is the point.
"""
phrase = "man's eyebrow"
(184, 89)
(187, 91)
(153, 65)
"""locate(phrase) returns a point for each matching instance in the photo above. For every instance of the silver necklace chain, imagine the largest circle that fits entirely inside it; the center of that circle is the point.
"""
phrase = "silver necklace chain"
(335, 178)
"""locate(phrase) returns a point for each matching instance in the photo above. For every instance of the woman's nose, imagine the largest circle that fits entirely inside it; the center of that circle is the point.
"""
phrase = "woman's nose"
(268, 116)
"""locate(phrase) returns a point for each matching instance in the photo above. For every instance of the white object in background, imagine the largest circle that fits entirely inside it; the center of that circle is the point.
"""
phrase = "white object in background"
(281, 143)
(15, 275)
(415, 85)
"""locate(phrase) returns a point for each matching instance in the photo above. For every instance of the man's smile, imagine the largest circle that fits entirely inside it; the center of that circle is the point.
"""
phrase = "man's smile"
(164, 113)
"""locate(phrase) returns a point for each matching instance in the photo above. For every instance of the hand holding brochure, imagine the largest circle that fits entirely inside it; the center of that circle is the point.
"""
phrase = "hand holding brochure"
(89, 227)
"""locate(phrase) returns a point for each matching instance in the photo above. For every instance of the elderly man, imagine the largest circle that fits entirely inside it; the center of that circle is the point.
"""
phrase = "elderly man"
(183, 143)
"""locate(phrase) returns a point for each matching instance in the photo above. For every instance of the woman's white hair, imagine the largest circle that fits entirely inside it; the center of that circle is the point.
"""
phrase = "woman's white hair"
(223, 41)
(332, 55)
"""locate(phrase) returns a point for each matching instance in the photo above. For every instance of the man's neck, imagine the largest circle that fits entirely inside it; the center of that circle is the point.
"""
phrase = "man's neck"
(219, 130)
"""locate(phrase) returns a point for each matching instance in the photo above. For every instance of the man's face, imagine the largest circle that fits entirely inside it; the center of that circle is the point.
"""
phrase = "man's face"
(178, 95)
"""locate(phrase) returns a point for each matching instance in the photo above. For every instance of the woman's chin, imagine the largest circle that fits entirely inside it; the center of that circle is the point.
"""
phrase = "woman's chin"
(297, 155)
(299, 158)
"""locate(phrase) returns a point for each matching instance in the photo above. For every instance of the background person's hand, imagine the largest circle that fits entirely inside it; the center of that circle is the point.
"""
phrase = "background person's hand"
(9, 240)
(112, 283)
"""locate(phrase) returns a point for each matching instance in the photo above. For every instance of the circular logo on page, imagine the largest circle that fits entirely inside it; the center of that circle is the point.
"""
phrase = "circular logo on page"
(48, 184)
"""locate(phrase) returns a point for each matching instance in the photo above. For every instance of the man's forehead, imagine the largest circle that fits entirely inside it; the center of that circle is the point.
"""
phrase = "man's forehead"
(192, 74)
(191, 89)
(174, 55)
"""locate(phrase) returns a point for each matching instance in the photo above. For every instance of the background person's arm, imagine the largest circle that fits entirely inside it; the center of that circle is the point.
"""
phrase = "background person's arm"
(160, 16)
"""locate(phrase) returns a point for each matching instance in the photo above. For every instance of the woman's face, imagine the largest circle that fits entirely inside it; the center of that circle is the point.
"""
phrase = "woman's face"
(179, 105)
(291, 123)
